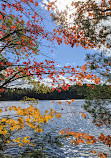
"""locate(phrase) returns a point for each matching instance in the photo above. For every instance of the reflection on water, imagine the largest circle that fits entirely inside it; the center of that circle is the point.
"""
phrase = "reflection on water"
(100, 109)
(71, 118)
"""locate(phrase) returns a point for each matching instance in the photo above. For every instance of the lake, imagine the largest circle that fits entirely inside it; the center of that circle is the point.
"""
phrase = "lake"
(70, 118)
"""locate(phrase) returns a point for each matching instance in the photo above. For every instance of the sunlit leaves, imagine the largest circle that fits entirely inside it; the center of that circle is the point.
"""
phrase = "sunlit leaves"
(21, 30)
(81, 22)
(30, 117)
(78, 138)
(20, 37)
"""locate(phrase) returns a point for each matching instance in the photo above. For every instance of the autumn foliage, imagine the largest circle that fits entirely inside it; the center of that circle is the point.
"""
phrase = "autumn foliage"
(21, 30)
(81, 23)
(20, 39)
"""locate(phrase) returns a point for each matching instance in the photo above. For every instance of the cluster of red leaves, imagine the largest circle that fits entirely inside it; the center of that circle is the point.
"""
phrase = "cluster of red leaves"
(46, 68)
(27, 42)
(33, 30)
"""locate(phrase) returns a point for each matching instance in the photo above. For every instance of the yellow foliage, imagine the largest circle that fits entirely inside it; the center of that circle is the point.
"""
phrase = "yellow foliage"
(1, 110)
(58, 115)
(30, 117)
(10, 108)
(8, 141)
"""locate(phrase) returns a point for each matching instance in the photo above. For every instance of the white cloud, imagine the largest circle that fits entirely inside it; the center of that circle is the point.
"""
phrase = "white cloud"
(20, 83)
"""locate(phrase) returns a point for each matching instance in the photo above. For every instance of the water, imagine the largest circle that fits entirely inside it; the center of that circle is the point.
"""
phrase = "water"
(71, 118)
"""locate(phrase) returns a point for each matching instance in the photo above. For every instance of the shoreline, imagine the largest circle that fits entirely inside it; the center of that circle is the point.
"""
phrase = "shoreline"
(49, 100)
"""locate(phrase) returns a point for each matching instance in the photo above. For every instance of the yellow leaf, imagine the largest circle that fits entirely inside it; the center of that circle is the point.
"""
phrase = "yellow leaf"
(1, 110)
(8, 141)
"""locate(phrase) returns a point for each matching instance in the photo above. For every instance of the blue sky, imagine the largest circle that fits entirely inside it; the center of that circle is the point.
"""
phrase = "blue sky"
(62, 54)
(66, 55)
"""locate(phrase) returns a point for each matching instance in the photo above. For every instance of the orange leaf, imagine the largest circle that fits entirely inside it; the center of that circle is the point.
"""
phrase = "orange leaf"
(72, 100)
(92, 151)
(84, 115)
(69, 102)
(77, 45)
(61, 132)
(83, 68)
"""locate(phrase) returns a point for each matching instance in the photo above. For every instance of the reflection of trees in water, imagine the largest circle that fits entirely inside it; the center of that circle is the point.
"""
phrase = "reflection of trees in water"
(100, 111)
(98, 103)
(46, 145)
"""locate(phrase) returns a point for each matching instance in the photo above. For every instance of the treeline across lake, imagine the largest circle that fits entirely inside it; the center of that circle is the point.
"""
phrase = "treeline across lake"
(75, 91)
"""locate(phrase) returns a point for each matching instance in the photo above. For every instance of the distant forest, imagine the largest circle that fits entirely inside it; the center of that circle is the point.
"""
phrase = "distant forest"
(74, 92)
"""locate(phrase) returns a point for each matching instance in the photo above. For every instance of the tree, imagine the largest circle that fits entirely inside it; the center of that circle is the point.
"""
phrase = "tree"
(84, 22)
(21, 30)
(100, 64)
(97, 103)
(20, 33)
(19, 39)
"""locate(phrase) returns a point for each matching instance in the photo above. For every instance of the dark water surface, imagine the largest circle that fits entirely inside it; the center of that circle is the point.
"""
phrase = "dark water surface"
(71, 118)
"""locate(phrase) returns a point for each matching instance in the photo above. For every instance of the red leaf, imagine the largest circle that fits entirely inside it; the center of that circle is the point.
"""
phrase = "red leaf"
(2, 63)
(53, 88)
(72, 100)
(59, 102)
(36, 4)
(0, 17)
(13, 27)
